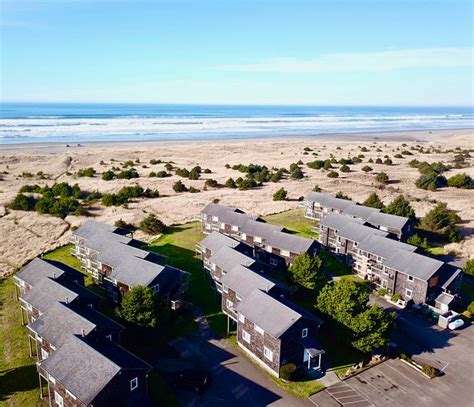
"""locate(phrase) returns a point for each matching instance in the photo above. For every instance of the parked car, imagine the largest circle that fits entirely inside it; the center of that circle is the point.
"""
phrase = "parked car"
(195, 379)
(456, 324)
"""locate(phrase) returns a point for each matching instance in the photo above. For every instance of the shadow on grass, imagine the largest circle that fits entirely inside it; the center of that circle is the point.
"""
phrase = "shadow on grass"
(17, 380)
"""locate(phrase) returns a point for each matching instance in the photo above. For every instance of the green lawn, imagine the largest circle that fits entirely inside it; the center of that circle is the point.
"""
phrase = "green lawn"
(178, 243)
(18, 376)
(467, 291)
(294, 221)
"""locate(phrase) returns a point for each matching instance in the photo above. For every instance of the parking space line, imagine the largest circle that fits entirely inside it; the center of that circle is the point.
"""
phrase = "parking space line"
(345, 394)
(343, 391)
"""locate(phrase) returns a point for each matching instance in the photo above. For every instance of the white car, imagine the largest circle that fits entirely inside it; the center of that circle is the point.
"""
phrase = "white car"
(457, 323)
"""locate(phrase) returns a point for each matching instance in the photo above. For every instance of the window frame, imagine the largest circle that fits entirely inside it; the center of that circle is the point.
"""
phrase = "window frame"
(241, 318)
(411, 278)
(268, 354)
(409, 295)
(58, 399)
(132, 386)
(304, 332)
(246, 336)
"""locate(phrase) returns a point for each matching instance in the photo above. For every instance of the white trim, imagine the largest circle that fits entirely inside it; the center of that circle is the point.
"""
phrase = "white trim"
(229, 304)
(133, 383)
(304, 333)
(406, 292)
(268, 353)
(411, 278)
(258, 329)
(246, 336)
(58, 399)
(70, 394)
(44, 354)
(241, 318)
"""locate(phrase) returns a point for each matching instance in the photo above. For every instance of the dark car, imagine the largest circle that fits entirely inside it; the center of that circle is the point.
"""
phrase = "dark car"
(195, 379)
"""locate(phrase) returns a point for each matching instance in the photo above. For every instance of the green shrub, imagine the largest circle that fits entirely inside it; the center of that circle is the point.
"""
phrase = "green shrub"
(280, 195)
(382, 177)
(461, 181)
(470, 307)
(395, 297)
(247, 184)
(23, 203)
(211, 183)
(152, 225)
(382, 291)
(178, 186)
(469, 268)
(367, 168)
(125, 225)
(108, 175)
(287, 371)
(297, 173)
(418, 241)
(341, 195)
(333, 174)
(429, 370)
(128, 174)
(230, 183)
(182, 172)
(344, 168)
(86, 172)
(30, 188)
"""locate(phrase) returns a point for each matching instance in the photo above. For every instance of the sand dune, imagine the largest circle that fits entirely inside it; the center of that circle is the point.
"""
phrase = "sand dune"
(27, 234)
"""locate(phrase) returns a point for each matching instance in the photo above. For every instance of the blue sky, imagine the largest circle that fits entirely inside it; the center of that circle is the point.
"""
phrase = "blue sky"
(352, 52)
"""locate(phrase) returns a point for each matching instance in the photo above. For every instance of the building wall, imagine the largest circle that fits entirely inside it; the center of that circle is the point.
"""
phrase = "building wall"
(231, 296)
(292, 349)
(68, 399)
(419, 288)
(257, 343)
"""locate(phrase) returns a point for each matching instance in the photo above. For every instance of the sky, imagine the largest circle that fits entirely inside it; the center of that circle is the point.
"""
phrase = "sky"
(354, 52)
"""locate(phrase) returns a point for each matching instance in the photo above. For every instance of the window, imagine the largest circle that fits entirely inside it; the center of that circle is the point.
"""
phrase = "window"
(269, 249)
(244, 236)
(133, 383)
(229, 304)
(257, 239)
(222, 225)
(285, 253)
(238, 297)
(241, 318)
(235, 228)
(268, 353)
(304, 333)
(408, 293)
(44, 354)
(410, 278)
(156, 288)
(225, 289)
(58, 399)
(258, 329)
(246, 336)
(51, 379)
(215, 218)
(273, 262)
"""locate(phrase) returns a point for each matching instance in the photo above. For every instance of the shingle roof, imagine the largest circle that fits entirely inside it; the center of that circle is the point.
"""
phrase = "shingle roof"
(243, 281)
(83, 369)
(260, 229)
(39, 269)
(387, 220)
(48, 292)
(215, 241)
(360, 211)
(357, 232)
(445, 298)
(337, 221)
(226, 258)
(383, 246)
(274, 316)
(59, 323)
(218, 210)
(328, 200)
(448, 275)
(413, 264)
(63, 320)
(287, 241)
(91, 227)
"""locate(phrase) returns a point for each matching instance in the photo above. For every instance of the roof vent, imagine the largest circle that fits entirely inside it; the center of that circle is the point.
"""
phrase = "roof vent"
(83, 333)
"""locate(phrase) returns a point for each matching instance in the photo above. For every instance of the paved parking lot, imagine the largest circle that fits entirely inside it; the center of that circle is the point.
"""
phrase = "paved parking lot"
(346, 395)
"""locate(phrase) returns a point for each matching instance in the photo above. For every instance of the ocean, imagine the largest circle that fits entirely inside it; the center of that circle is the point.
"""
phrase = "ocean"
(80, 122)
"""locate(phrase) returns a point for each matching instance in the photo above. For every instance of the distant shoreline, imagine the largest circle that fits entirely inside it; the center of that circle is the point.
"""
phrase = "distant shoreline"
(422, 136)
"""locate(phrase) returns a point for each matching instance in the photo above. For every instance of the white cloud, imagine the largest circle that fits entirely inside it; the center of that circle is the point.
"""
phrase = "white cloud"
(362, 62)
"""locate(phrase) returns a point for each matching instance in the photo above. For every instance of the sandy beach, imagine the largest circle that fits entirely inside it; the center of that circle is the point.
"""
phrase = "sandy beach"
(28, 234)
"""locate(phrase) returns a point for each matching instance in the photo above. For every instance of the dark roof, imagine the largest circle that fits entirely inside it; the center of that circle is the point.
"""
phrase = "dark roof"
(383, 246)
(287, 241)
(413, 264)
(448, 275)
(387, 220)
(314, 348)
(227, 258)
(39, 269)
(218, 210)
(215, 241)
(274, 316)
(84, 368)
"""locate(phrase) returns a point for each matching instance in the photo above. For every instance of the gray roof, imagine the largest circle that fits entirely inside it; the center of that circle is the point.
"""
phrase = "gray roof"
(37, 270)
(260, 229)
(215, 241)
(337, 221)
(274, 316)
(48, 292)
(64, 320)
(243, 281)
(227, 258)
(387, 220)
(360, 211)
(218, 210)
(314, 348)
(91, 227)
(448, 276)
(328, 200)
(357, 232)
(59, 323)
(384, 246)
(287, 241)
(445, 298)
(413, 264)
(85, 368)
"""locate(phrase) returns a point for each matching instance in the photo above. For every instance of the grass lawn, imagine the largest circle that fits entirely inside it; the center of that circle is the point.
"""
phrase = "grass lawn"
(294, 221)
(467, 291)
(18, 376)
(178, 243)
(436, 250)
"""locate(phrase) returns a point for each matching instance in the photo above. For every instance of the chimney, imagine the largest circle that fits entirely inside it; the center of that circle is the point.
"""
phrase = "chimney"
(67, 300)
(83, 333)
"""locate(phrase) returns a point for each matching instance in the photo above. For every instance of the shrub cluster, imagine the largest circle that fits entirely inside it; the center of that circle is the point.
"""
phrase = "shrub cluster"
(124, 195)
(86, 172)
